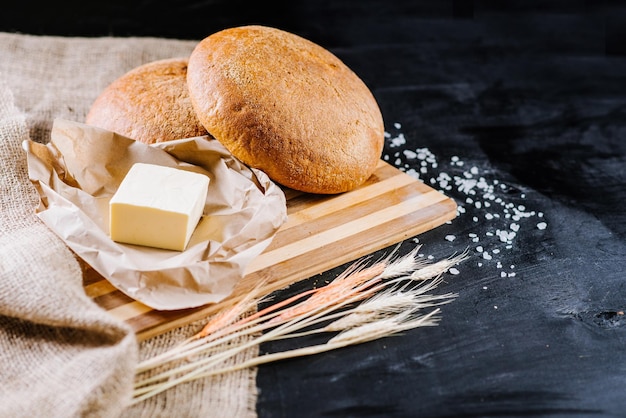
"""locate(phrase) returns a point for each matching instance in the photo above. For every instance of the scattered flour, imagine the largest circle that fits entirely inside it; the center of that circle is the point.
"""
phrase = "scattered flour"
(492, 204)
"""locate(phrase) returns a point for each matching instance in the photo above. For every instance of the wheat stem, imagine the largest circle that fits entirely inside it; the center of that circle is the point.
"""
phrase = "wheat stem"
(367, 332)
(383, 303)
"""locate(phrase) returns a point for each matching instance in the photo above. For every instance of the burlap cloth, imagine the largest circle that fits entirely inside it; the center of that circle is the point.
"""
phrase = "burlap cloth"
(62, 355)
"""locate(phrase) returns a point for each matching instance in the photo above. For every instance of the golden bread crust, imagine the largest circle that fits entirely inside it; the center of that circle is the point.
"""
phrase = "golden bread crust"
(287, 106)
(150, 103)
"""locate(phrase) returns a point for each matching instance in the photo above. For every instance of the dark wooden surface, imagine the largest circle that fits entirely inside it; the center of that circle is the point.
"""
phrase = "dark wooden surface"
(528, 101)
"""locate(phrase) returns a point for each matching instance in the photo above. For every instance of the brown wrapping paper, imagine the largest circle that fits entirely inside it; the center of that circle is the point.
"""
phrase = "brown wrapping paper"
(79, 170)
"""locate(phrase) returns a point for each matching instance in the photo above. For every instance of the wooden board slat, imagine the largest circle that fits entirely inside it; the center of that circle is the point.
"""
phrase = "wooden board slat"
(321, 233)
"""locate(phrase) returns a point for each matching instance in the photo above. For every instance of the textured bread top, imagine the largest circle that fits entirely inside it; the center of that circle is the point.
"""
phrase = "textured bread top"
(150, 103)
(287, 106)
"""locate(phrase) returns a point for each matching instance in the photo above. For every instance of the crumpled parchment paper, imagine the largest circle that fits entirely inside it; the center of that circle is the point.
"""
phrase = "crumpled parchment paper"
(79, 170)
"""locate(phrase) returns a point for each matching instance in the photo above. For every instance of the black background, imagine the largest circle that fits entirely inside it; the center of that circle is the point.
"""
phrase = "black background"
(531, 97)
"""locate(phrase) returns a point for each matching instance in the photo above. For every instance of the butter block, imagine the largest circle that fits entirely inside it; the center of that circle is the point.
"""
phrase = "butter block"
(157, 206)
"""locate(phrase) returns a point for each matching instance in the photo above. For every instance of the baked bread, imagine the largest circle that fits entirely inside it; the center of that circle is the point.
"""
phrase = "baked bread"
(287, 106)
(150, 103)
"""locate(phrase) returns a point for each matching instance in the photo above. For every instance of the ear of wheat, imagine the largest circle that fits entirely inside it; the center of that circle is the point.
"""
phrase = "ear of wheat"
(363, 303)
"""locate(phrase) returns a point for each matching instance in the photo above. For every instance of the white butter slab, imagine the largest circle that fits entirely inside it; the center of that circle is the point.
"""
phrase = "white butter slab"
(157, 206)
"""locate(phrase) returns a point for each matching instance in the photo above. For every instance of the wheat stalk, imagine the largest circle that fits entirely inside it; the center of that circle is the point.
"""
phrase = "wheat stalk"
(363, 303)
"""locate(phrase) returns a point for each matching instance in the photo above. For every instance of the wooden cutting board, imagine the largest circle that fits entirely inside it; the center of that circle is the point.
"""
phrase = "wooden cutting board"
(321, 233)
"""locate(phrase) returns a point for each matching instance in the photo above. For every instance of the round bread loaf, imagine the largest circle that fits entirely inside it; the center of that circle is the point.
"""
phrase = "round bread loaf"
(150, 103)
(287, 106)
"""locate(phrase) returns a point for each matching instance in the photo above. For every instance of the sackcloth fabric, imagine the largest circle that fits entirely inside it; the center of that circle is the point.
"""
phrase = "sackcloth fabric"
(62, 355)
